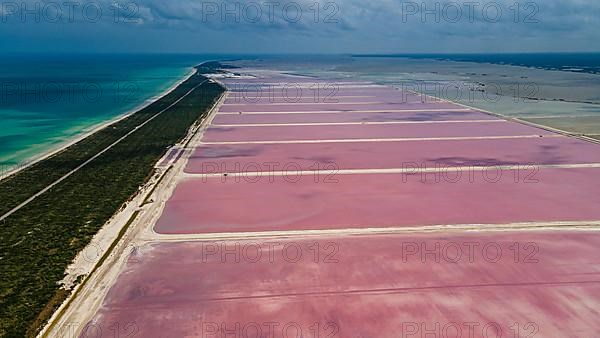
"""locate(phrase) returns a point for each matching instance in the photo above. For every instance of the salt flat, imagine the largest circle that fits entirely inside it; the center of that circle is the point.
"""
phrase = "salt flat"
(276, 222)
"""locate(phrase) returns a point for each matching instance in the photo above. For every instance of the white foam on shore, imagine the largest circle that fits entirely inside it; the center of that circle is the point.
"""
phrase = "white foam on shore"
(85, 132)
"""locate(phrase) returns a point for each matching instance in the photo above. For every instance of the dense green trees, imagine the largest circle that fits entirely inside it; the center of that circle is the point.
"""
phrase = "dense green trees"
(39, 241)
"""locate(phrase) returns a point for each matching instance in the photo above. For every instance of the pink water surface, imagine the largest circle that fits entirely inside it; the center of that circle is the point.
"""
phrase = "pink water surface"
(263, 202)
(274, 118)
(369, 286)
(369, 131)
(382, 155)
(308, 107)
(536, 284)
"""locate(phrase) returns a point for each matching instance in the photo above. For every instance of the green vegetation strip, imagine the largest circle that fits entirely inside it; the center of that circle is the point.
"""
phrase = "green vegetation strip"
(17, 188)
(40, 240)
(98, 265)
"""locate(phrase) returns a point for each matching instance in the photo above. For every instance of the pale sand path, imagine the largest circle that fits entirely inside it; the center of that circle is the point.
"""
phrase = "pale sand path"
(141, 231)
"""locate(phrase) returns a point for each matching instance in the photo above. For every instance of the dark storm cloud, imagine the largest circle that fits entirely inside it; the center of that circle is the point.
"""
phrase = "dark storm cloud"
(309, 26)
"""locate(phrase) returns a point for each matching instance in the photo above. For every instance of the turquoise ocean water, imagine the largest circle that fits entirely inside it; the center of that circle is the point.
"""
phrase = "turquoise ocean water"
(48, 100)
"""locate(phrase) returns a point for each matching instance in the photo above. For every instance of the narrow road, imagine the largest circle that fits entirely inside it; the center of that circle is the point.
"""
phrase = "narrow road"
(368, 231)
(65, 176)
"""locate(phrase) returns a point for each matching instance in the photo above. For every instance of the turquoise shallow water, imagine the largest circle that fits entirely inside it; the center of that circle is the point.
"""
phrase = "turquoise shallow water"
(46, 101)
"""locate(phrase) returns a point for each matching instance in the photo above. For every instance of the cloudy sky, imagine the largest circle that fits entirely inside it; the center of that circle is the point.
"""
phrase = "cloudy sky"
(301, 26)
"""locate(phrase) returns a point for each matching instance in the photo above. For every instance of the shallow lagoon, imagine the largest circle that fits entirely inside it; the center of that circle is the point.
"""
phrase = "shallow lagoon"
(561, 99)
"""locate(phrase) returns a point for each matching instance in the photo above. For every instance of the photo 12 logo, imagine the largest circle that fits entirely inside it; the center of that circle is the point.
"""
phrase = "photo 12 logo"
(518, 91)
(28, 12)
(270, 252)
(445, 173)
(468, 330)
(286, 93)
(270, 12)
(271, 172)
(27, 92)
(271, 329)
(470, 252)
(469, 11)
(94, 330)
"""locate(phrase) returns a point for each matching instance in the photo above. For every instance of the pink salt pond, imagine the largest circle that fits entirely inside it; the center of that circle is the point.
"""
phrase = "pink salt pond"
(469, 285)
(291, 202)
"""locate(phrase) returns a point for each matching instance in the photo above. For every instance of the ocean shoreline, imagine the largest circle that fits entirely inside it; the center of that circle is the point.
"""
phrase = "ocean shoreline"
(80, 194)
(90, 130)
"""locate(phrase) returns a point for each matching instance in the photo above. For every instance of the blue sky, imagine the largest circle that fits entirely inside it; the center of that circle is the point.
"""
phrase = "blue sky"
(301, 26)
